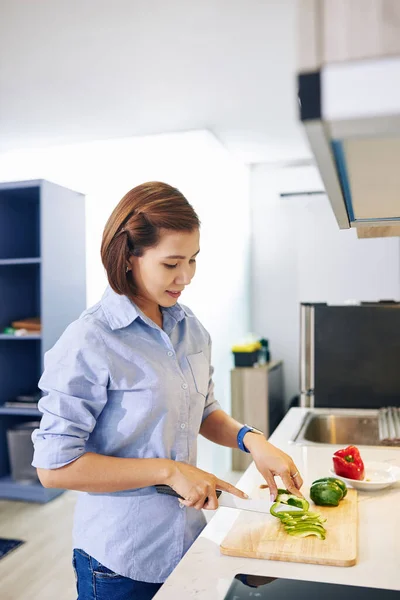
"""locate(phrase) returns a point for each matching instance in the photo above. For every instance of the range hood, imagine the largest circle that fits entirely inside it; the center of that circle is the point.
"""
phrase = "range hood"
(351, 115)
(349, 96)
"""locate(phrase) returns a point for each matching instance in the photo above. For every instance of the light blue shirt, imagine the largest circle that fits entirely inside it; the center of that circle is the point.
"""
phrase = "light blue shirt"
(117, 384)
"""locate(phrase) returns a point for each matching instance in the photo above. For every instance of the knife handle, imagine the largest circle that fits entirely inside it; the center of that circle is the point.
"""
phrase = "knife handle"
(166, 489)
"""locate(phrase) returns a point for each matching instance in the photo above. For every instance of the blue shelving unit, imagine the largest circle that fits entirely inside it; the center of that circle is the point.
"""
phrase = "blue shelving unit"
(42, 274)
(23, 338)
(20, 261)
(33, 492)
(24, 412)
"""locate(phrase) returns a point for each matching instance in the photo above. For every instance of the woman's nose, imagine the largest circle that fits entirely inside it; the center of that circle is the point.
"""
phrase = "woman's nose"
(184, 277)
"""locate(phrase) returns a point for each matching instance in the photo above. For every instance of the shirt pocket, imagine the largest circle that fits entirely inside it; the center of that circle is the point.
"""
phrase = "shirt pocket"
(200, 369)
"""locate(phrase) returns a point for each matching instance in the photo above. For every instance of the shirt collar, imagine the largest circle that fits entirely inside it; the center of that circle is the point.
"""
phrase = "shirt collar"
(120, 311)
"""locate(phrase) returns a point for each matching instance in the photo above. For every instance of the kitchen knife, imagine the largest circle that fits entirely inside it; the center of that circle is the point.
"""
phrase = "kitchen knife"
(227, 500)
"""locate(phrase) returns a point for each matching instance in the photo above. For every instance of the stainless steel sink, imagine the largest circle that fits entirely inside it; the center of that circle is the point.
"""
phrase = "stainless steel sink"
(341, 427)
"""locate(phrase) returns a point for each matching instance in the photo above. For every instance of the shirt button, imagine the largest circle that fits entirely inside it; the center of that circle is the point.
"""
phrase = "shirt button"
(170, 353)
(183, 425)
(184, 386)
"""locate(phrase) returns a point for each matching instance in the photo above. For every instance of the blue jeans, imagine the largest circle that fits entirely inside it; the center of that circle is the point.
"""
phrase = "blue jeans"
(95, 582)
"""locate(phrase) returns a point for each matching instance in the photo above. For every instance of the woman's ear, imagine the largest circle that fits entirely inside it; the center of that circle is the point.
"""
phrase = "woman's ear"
(129, 264)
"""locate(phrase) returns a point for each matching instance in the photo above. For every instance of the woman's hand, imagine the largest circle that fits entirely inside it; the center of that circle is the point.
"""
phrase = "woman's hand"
(198, 487)
(271, 461)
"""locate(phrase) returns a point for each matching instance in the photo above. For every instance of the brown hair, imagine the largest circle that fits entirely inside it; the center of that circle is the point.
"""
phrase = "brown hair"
(135, 225)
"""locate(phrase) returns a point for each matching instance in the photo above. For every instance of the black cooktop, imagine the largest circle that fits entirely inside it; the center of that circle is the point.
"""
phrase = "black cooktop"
(255, 587)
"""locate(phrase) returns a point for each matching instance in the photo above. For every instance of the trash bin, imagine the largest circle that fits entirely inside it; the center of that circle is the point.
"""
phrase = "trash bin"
(20, 451)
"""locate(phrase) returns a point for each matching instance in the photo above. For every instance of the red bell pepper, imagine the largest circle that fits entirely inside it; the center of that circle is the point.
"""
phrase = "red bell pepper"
(348, 463)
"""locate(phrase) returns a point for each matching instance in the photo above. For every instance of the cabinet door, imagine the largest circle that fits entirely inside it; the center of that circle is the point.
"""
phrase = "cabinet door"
(357, 29)
(332, 31)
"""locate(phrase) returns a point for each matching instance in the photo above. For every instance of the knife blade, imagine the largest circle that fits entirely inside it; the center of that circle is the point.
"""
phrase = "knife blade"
(227, 500)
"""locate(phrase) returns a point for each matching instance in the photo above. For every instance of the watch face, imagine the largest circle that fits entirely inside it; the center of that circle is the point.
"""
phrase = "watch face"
(255, 430)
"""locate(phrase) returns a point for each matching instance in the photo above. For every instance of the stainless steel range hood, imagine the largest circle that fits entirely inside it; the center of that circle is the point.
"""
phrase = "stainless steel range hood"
(351, 115)
(349, 96)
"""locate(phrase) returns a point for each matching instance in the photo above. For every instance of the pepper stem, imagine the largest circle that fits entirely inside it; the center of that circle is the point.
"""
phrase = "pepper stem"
(349, 458)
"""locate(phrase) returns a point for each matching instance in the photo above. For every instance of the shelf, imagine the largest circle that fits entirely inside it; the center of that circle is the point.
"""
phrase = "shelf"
(33, 492)
(7, 336)
(19, 261)
(33, 253)
(20, 291)
(23, 412)
(20, 365)
(20, 222)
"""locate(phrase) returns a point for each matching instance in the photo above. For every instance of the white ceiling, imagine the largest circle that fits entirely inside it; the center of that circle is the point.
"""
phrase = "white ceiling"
(95, 69)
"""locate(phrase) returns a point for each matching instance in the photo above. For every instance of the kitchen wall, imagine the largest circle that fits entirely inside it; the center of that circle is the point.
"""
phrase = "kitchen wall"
(214, 182)
(300, 255)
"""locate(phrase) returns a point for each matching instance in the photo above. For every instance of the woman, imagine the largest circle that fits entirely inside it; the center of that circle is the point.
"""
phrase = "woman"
(127, 389)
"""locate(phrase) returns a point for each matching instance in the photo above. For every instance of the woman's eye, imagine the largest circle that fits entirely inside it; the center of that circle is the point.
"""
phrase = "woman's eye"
(167, 266)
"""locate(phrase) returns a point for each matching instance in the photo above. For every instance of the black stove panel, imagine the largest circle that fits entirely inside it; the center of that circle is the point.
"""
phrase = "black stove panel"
(254, 587)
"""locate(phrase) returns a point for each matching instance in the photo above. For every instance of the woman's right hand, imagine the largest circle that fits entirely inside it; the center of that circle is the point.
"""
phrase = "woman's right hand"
(198, 487)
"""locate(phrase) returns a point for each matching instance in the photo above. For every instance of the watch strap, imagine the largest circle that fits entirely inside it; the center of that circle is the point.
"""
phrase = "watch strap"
(241, 433)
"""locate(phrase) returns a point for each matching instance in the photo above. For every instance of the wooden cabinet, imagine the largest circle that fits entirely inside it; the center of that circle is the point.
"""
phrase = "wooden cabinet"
(332, 31)
(257, 399)
(358, 29)
(42, 274)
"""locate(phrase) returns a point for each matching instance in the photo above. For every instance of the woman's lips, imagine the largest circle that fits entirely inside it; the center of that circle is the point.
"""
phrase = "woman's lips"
(174, 294)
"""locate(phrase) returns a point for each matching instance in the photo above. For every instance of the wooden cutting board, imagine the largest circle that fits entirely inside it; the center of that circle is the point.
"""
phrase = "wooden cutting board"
(255, 535)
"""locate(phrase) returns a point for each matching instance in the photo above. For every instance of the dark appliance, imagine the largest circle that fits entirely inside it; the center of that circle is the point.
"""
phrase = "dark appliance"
(256, 587)
(350, 355)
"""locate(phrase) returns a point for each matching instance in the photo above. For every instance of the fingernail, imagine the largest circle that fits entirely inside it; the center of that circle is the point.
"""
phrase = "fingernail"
(246, 496)
(272, 498)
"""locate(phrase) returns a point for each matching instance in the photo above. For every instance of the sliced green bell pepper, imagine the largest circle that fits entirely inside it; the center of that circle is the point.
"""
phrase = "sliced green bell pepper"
(300, 523)
(300, 526)
(285, 497)
(303, 519)
(306, 532)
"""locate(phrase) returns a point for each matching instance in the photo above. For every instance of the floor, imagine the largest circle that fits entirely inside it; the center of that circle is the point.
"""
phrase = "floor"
(41, 568)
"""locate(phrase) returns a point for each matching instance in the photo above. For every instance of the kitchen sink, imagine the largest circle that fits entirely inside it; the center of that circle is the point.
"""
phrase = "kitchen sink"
(341, 427)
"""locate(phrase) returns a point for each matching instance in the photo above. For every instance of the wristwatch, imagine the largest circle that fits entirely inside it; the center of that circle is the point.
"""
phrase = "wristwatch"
(242, 432)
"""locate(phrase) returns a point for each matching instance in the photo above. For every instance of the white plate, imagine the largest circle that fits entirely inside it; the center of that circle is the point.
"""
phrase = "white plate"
(378, 475)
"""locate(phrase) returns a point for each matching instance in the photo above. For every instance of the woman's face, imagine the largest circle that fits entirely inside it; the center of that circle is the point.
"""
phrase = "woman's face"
(164, 271)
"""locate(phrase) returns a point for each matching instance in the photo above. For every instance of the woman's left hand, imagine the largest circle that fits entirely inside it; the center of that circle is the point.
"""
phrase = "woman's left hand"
(271, 461)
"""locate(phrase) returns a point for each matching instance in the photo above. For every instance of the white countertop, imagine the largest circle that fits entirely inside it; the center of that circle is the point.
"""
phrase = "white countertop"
(204, 573)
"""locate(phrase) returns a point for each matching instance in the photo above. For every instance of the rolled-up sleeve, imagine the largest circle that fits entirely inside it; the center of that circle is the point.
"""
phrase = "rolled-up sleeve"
(74, 382)
(211, 403)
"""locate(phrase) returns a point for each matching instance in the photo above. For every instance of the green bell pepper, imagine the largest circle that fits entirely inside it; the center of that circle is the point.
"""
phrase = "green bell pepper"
(326, 493)
(338, 482)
